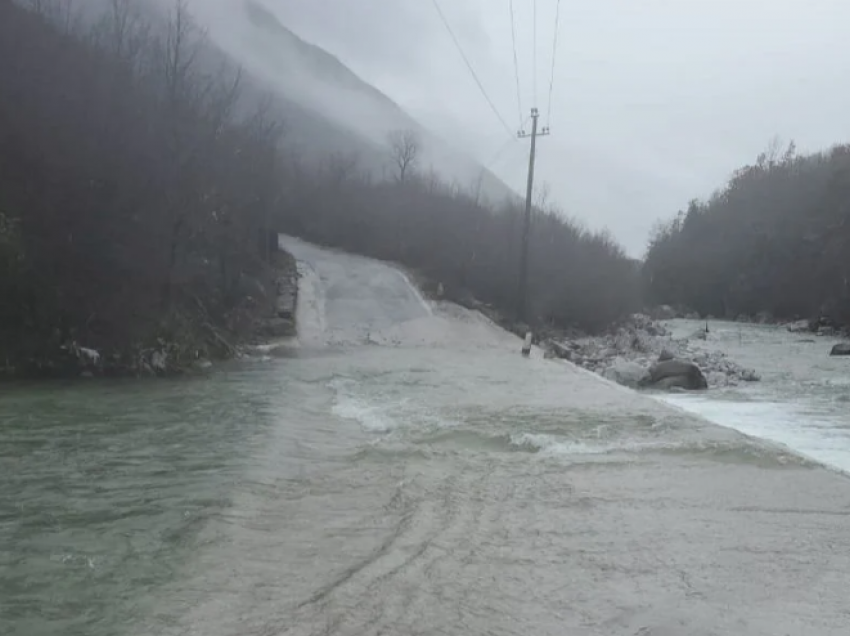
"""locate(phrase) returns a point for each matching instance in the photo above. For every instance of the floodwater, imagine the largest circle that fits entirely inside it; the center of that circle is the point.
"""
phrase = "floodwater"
(802, 400)
(400, 469)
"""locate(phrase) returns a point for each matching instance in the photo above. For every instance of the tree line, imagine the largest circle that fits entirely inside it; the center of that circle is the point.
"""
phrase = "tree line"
(138, 189)
(774, 241)
(131, 195)
(577, 278)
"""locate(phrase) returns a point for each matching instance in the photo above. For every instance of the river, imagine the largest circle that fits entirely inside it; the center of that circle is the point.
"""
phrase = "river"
(400, 469)
(801, 401)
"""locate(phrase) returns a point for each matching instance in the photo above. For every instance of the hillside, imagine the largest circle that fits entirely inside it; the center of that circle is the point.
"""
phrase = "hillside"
(138, 189)
(320, 82)
(773, 242)
(326, 107)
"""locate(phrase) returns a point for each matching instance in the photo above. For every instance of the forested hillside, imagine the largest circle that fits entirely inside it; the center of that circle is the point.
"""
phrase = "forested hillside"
(576, 277)
(134, 187)
(131, 199)
(775, 239)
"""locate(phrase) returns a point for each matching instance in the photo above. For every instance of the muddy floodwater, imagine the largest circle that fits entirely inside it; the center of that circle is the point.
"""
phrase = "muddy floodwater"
(400, 469)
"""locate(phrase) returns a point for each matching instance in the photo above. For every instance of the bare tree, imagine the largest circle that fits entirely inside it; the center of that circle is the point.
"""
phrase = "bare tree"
(339, 168)
(541, 193)
(182, 43)
(404, 151)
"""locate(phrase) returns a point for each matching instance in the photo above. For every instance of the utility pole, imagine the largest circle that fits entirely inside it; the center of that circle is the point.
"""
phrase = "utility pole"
(526, 226)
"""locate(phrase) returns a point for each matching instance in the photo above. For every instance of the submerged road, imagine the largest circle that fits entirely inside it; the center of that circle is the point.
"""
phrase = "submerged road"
(408, 472)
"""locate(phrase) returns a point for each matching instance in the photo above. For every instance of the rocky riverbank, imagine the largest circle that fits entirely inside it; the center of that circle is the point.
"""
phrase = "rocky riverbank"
(639, 353)
(643, 353)
(821, 325)
(196, 331)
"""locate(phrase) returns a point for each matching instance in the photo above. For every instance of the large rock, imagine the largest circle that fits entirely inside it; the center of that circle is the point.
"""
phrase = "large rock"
(841, 349)
(667, 374)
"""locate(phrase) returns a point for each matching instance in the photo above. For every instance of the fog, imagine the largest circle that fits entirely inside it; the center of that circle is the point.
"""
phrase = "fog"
(316, 80)
(653, 103)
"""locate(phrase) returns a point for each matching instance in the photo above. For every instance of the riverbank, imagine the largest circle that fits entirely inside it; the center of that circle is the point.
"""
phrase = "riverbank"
(199, 327)
(821, 325)
(625, 352)
(801, 400)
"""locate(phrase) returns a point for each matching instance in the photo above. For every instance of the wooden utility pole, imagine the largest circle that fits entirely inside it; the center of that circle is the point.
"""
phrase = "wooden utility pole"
(521, 307)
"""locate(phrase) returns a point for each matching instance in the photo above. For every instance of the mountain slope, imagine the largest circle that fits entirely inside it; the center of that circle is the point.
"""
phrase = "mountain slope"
(325, 107)
(317, 81)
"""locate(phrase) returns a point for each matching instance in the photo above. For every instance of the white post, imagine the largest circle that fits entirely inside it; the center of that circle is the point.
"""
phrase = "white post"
(526, 345)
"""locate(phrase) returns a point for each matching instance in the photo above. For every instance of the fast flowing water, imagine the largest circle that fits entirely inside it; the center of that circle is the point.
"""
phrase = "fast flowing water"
(399, 469)
(802, 400)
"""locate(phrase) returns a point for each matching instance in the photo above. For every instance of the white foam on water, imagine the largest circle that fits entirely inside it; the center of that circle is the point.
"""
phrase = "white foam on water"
(382, 413)
(369, 416)
(549, 445)
(820, 438)
(339, 529)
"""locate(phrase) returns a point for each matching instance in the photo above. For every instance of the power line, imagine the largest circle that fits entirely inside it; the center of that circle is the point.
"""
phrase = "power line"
(554, 53)
(508, 143)
(534, 49)
(471, 70)
(516, 64)
(489, 164)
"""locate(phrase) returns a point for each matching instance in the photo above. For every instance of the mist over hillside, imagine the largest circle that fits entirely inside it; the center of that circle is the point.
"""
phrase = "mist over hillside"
(326, 108)
(313, 78)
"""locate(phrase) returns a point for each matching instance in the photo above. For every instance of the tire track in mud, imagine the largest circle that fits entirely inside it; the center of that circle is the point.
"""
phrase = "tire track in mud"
(393, 590)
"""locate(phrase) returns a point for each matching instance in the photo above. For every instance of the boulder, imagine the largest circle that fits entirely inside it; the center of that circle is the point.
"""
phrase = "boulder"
(841, 349)
(667, 374)
(750, 375)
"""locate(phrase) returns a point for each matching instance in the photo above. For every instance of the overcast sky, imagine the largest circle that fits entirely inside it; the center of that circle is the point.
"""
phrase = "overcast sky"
(655, 102)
